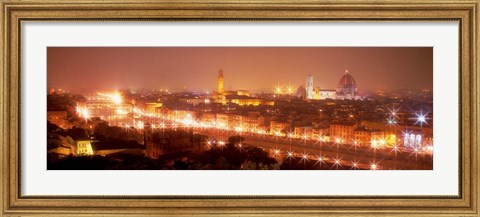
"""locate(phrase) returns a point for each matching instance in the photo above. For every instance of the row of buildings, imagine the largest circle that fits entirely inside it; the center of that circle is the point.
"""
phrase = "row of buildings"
(361, 133)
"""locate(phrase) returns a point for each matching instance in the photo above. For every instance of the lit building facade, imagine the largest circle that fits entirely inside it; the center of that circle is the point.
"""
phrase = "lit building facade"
(324, 94)
(84, 147)
(181, 114)
(278, 127)
(319, 133)
(245, 100)
(327, 94)
(397, 134)
(412, 140)
(342, 133)
(252, 123)
(301, 132)
(107, 107)
(195, 100)
(208, 118)
(150, 107)
(364, 136)
(309, 87)
(222, 120)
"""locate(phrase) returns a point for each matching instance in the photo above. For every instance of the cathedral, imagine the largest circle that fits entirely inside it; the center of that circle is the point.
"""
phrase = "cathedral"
(346, 89)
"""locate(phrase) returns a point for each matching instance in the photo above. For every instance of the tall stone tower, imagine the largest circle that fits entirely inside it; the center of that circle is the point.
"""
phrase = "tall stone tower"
(309, 87)
(220, 81)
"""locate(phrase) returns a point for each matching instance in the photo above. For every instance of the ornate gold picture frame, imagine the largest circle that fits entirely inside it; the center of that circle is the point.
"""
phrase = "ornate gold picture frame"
(15, 13)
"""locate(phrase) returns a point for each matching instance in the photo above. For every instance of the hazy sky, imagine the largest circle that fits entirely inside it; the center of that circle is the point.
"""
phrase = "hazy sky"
(82, 69)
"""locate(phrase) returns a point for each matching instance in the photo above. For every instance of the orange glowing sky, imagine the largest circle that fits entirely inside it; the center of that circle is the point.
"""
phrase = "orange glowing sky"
(83, 69)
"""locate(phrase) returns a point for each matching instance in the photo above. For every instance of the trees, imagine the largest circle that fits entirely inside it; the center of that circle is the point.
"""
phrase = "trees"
(228, 157)
(235, 139)
(231, 156)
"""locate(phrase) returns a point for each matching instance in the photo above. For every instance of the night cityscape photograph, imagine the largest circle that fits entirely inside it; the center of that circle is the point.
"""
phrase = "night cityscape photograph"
(240, 108)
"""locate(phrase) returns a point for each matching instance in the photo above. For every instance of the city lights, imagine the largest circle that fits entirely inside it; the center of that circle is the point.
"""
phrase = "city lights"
(289, 89)
(430, 148)
(354, 164)
(393, 113)
(188, 120)
(355, 144)
(290, 154)
(238, 129)
(305, 157)
(396, 149)
(114, 97)
(421, 119)
(381, 142)
(208, 144)
(276, 152)
(117, 98)
(338, 140)
(283, 89)
(140, 125)
(83, 112)
(271, 114)
(320, 160)
(305, 136)
(337, 162)
(415, 152)
(391, 121)
(278, 89)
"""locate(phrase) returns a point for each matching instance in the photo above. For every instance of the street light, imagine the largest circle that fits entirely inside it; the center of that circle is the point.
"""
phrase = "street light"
(395, 150)
(278, 90)
(290, 156)
(304, 159)
(393, 112)
(319, 160)
(354, 164)
(289, 89)
(355, 145)
(337, 162)
(391, 121)
(276, 152)
(421, 119)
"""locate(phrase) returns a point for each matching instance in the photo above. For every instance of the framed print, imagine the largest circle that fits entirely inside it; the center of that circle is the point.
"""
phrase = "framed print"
(254, 108)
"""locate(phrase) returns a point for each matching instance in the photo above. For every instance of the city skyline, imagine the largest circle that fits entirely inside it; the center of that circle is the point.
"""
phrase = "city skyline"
(231, 108)
(381, 68)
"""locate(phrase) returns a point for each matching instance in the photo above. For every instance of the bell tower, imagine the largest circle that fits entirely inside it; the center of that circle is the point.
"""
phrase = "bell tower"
(220, 81)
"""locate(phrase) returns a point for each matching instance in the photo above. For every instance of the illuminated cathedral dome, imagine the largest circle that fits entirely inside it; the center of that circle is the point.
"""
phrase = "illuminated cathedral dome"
(347, 87)
(347, 81)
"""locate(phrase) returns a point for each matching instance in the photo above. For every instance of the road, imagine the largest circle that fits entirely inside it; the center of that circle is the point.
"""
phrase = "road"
(345, 156)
